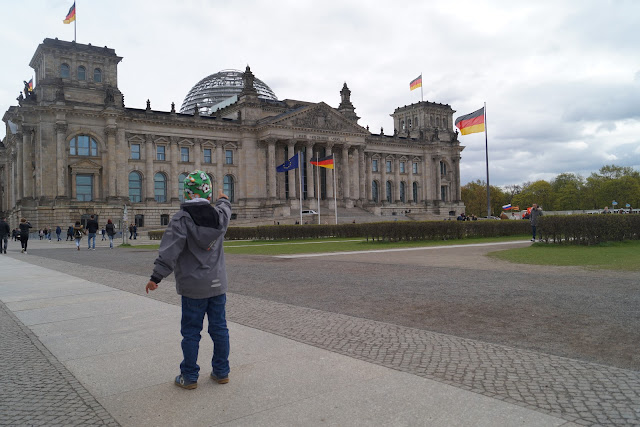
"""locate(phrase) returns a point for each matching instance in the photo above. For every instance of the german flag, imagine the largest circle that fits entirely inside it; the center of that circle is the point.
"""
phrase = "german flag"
(416, 83)
(323, 162)
(31, 85)
(71, 16)
(471, 123)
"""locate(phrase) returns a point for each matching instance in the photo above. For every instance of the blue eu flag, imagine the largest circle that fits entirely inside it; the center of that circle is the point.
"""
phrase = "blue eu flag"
(292, 163)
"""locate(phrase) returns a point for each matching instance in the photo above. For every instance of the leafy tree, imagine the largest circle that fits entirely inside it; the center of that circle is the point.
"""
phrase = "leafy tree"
(539, 192)
(568, 190)
(474, 196)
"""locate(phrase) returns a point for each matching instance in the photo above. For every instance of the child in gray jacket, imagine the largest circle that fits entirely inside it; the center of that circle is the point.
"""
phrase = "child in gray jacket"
(192, 249)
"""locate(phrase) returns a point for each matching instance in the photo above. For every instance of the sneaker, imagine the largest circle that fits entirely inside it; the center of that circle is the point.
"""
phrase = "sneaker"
(223, 380)
(533, 240)
(23, 251)
(78, 247)
(182, 382)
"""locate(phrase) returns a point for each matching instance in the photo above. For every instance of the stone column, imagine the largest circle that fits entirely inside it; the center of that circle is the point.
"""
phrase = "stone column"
(396, 177)
(361, 178)
(345, 172)
(456, 161)
(62, 152)
(383, 184)
(74, 195)
(219, 163)
(291, 175)
(271, 168)
(174, 192)
(311, 176)
(354, 188)
(27, 169)
(410, 183)
(280, 159)
(111, 174)
(197, 153)
(122, 165)
(368, 188)
(438, 178)
(20, 166)
(149, 184)
(330, 175)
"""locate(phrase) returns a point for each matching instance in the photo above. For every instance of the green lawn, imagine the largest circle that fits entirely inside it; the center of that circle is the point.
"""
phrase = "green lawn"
(609, 256)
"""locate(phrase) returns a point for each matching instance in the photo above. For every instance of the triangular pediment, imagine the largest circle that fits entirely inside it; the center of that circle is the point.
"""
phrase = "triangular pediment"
(85, 164)
(318, 117)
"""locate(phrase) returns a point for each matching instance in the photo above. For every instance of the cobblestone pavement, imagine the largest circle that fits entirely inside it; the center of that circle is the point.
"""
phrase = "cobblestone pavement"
(37, 390)
(579, 391)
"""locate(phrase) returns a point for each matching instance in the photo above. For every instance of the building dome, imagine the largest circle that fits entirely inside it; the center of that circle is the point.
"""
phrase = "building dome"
(220, 86)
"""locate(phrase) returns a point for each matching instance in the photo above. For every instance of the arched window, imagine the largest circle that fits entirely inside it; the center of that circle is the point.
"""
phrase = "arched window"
(64, 71)
(160, 187)
(181, 179)
(445, 123)
(415, 121)
(135, 187)
(437, 121)
(228, 187)
(409, 123)
(403, 197)
(415, 191)
(83, 145)
(389, 191)
(402, 125)
(431, 120)
(97, 75)
(374, 191)
(82, 73)
(443, 168)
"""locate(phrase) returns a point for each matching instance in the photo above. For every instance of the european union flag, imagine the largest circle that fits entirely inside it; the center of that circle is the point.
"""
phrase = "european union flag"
(292, 163)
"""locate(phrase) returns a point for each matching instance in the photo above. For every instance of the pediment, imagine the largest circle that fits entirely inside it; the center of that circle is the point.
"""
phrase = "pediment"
(318, 117)
(85, 164)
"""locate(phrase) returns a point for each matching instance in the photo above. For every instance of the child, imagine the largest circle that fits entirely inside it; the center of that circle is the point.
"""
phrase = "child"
(192, 246)
(78, 232)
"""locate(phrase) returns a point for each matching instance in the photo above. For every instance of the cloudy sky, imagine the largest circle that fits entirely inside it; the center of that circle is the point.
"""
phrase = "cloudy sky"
(561, 79)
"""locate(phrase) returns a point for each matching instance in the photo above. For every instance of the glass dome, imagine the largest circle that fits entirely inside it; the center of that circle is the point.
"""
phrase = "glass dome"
(217, 87)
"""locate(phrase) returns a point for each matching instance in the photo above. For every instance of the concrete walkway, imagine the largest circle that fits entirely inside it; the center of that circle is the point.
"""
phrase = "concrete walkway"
(118, 354)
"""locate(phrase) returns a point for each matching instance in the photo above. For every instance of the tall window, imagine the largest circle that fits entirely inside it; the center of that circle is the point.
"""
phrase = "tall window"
(374, 191)
(374, 165)
(228, 157)
(135, 151)
(181, 179)
(403, 197)
(402, 167)
(160, 152)
(443, 193)
(84, 187)
(228, 187)
(83, 145)
(64, 71)
(184, 154)
(164, 219)
(135, 187)
(160, 187)
(388, 166)
(443, 168)
(82, 73)
(415, 191)
(207, 155)
(389, 191)
(97, 75)
(409, 123)
(415, 168)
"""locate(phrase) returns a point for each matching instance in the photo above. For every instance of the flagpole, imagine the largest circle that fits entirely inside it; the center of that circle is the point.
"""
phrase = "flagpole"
(335, 190)
(486, 154)
(300, 174)
(75, 20)
(318, 181)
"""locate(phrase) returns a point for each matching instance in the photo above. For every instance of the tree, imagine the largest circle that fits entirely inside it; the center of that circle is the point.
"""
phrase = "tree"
(474, 196)
(568, 190)
(539, 192)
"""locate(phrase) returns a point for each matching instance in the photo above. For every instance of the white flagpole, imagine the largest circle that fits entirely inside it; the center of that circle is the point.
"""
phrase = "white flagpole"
(300, 174)
(318, 181)
(75, 6)
(335, 190)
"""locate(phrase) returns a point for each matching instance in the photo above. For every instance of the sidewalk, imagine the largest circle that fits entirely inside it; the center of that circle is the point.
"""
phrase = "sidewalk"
(124, 350)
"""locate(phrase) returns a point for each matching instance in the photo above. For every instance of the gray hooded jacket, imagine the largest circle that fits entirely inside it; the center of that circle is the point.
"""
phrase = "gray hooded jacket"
(191, 247)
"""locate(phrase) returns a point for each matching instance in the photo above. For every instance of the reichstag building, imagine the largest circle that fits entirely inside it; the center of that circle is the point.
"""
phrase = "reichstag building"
(73, 149)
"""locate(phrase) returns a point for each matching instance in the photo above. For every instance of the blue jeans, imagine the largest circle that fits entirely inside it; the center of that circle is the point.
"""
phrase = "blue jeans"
(533, 230)
(110, 241)
(92, 236)
(193, 311)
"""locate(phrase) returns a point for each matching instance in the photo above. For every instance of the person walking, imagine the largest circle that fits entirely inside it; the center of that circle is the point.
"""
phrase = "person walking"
(58, 232)
(130, 231)
(536, 212)
(24, 234)
(103, 234)
(5, 231)
(111, 231)
(92, 228)
(69, 233)
(78, 232)
(192, 248)
(135, 232)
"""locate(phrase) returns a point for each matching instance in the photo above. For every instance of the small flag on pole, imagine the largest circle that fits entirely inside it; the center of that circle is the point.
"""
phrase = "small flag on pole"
(31, 85)
(506, 207)
(292, 163)
(323, 162)
(471, 123)
(71, 16)
(416, 83)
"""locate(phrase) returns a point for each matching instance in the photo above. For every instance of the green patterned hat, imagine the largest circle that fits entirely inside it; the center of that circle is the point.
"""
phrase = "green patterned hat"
(197, 183)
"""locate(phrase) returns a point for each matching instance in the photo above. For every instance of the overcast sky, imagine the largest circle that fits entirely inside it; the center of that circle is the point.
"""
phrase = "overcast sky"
(561, 79)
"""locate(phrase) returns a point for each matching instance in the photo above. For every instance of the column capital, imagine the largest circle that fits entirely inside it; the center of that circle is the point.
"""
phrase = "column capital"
(149, 137)
(109, 131)
(61, 127)
(330, 145)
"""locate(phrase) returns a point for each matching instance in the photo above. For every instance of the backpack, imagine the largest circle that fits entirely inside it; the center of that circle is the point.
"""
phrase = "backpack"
(77, 232)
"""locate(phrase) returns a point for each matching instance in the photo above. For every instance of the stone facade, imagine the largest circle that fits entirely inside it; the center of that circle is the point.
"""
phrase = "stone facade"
(72, 149)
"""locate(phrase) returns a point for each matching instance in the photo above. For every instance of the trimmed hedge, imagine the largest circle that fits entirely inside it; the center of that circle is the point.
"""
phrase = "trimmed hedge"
(589, 229)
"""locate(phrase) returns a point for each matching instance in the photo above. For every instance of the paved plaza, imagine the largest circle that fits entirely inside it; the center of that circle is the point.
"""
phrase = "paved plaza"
(385, 339)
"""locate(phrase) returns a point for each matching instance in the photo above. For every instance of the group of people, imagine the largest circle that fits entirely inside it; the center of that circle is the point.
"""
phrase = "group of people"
(464, 217)
(78, 231)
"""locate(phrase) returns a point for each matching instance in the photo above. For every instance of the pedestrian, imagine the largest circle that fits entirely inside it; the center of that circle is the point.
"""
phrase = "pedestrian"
(41, 233)
(49, 232)
(78, 232)
(5, 231)
(58, 232)
(111, 231)
(192, 248)
(135, 232)
(102, 232)
(69, 233)
(24, 234)
(14, 234)
(92, 228)
(130, 231)
(533, 219)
